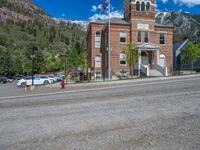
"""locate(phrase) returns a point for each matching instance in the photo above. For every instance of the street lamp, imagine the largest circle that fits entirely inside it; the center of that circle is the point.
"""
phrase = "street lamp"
(63, 56)
(33, 64)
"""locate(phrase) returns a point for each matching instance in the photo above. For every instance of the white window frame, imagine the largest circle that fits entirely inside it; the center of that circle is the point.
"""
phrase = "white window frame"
(122, 54)
(97, 40)
(125, 33)
(98, 61)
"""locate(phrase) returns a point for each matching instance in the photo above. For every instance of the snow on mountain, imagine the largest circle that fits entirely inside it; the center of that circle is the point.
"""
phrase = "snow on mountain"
(82, 24)
(185, 25)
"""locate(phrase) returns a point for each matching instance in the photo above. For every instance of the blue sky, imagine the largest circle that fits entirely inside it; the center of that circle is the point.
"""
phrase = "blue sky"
(89, 9)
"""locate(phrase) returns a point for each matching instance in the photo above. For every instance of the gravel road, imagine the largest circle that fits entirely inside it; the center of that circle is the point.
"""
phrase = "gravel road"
(158, 115)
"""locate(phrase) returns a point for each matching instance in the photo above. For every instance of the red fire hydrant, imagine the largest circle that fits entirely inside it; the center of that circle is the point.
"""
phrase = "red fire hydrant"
(62, 84)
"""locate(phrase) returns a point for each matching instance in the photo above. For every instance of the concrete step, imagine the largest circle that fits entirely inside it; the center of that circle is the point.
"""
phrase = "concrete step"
(155, 73)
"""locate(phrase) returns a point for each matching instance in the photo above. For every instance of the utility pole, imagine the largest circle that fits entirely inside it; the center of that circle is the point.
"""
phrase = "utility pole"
(109, 41)
(63, 56)
(33, 64)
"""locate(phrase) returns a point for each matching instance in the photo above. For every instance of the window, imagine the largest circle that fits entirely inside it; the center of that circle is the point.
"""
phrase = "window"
(138, 6)
(139, 36)
(98, 39)
(146, 36)
(122, 59)
(162, 38)
(97, 61)
(148, 7)
(143, 6)
(122, 37)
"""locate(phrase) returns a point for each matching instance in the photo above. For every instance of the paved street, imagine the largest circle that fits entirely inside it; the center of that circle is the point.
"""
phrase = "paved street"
(146, 115)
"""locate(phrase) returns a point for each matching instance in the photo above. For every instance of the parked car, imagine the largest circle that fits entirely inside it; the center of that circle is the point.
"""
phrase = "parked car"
(3, 79)
(59, 76)
(18, 77)
(46, 77)
(52, 77)
(37, 81)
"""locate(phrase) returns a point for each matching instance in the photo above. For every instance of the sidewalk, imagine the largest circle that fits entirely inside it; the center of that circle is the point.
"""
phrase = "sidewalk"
(134, 80)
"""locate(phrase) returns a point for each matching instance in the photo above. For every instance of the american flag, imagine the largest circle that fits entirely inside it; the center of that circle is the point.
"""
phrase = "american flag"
(105, 6)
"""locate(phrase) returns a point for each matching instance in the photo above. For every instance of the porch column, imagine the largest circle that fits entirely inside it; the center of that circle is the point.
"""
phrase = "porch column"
(139, 62)
(158, 57)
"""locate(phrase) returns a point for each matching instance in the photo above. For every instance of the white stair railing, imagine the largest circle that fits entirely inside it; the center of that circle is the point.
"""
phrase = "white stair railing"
(145, 69)
(162, 69)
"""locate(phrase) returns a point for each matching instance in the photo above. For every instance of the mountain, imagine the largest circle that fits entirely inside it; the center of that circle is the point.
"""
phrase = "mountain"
(79, 23)
(24, 26)
(185, 25)
(22, 10)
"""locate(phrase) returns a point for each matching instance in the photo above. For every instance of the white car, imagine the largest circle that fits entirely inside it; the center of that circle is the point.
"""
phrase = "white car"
(47, 77)
(37, 81)
(52, 77)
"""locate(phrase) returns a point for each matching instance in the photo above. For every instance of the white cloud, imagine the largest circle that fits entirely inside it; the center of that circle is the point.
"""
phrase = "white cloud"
(164, 1)
(99, 6)
(63, 15)
(96, 8)
(113, 14)
(189, 3)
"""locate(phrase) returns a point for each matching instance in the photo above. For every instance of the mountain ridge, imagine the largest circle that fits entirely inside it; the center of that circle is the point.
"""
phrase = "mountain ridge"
(186, 25)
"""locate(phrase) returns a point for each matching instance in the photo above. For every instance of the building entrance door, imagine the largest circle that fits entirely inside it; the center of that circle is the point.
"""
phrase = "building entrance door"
(144, 58)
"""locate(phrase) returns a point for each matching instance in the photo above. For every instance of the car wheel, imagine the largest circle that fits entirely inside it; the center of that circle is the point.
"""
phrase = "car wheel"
(46, 82)
(23, 84)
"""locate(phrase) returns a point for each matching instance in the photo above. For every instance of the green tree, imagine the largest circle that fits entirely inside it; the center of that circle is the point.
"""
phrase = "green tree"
(191, 54)
(132, 56)
(72, 58)
(83, 62)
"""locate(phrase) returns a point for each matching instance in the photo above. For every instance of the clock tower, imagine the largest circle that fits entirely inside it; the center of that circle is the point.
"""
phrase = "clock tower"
(139, 10)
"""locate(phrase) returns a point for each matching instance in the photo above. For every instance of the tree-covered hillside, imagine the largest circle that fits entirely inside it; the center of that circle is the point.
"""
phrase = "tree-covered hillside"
(18, 37)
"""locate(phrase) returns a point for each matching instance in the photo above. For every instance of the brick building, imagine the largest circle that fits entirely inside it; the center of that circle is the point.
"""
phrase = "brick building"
(153, 41)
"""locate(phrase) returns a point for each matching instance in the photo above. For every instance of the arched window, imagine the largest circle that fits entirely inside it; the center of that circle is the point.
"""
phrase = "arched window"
(98, 39)
(143, 6)
(148, 7)
(98, 61)
(138, 6)
(162, 60)
(122, 58)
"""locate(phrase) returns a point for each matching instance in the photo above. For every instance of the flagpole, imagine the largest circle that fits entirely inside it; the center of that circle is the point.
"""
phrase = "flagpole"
(109, 41)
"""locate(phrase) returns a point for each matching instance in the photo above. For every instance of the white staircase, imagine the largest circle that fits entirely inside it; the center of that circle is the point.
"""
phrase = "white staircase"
(155, 73)
(158, 70)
